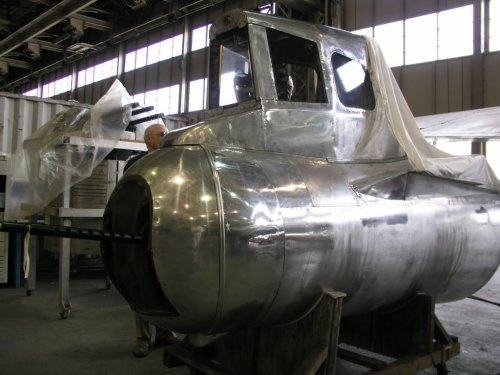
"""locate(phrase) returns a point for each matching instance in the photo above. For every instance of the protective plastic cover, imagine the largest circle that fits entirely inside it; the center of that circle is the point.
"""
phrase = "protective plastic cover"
(47, 163)
(421, 154)
(475, 124)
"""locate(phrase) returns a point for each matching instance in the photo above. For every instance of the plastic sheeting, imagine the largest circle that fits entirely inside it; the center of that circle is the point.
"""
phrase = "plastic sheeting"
(421, 154)
(47, 163)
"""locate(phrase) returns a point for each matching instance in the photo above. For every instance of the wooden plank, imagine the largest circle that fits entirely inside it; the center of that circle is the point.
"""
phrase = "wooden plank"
(312, 363)
(361, 359)
(189, 358)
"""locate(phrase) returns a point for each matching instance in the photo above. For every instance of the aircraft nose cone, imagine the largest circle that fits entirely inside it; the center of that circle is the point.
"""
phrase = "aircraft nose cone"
(131, 266)
(169, 198)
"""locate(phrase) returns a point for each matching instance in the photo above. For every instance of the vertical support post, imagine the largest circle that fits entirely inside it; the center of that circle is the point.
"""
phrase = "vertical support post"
(478, 148)
(477, 89)
(185, 65)
(64, 267)
(64, 255)
(34, 245)
(335, 312)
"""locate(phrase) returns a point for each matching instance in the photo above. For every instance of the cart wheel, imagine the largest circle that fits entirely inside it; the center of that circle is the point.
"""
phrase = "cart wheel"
(108, 283)
(64, 314)
(28, 292)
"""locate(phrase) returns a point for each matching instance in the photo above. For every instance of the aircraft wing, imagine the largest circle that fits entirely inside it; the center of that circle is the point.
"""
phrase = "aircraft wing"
(475, 124)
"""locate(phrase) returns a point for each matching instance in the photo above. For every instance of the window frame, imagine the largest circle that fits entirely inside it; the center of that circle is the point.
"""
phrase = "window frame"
(369, 103)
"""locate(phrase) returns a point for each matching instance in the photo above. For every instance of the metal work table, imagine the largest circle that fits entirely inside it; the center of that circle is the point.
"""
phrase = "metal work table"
(64, 214)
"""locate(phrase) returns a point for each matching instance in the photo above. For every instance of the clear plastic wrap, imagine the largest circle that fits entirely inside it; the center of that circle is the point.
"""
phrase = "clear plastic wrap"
(65, 151)
(421, 154)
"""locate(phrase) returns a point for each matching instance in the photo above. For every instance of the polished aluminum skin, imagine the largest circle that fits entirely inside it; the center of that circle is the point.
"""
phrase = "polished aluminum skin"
(252, 214)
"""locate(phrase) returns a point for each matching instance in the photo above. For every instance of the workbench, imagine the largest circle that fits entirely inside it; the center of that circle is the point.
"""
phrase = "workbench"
(63, 215)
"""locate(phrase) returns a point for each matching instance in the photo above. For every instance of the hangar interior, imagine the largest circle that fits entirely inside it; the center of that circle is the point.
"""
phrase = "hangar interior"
(57, 55)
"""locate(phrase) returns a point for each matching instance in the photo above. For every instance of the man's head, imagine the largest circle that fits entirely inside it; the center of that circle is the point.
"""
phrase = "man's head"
(243, 86)
(153, 136)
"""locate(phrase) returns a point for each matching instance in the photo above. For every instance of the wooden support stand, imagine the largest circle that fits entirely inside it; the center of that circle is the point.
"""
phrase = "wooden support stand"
(397, 342)
(411, 338)
(305, 347)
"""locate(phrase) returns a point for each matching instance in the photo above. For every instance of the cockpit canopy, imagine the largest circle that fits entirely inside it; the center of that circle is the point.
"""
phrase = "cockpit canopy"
(295, 65)
(310, 83)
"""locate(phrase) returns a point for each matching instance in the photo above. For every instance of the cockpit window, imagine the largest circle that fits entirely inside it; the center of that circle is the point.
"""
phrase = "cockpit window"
(354, 87)
(296, 67)
(230, 69)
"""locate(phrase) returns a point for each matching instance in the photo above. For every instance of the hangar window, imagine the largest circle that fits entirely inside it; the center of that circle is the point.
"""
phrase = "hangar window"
(153, 53)
(390, 37)
(199, 38)
(268, 8)
(493, 155)
(352, 80)
(164, 100)
(57, 87)
(33, 92)
(296, 67)
(416, 30)
(401, 41)
(454, 147)
(494, 25)
(197, 95)
(455, 25)
(97, 72)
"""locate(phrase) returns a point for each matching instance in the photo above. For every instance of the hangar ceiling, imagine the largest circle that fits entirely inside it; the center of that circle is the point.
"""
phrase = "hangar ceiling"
(37, 35)
(40, 36)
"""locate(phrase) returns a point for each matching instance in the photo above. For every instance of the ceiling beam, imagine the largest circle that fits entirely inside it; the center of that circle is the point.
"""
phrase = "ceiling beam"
(47, 45)
(16, 63)
(43, 22)
(91, 22)
(43, 2)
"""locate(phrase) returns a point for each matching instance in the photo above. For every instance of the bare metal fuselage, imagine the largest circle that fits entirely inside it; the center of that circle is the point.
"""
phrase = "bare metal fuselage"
(251, 215)
(245, 237)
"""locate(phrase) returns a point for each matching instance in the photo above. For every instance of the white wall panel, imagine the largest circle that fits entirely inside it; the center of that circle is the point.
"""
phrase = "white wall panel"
(421, 7)
(388, 11)
(359, 14)
(365, 13)
(418, 85)
(459, 96)
(21, 115)
(492, 79)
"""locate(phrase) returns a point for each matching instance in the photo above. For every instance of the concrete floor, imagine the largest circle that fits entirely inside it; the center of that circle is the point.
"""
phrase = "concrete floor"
(97, 338)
